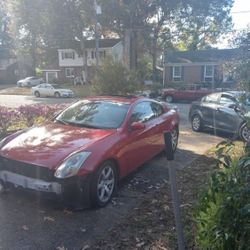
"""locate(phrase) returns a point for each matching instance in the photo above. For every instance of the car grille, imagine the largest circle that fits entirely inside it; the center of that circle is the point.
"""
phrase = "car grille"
(28, 170)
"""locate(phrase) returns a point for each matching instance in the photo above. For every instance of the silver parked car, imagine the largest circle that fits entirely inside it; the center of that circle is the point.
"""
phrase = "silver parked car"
(29, 81)
(46, 89)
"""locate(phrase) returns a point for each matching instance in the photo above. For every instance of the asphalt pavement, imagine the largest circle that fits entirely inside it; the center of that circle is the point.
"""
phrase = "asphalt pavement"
(27, 222)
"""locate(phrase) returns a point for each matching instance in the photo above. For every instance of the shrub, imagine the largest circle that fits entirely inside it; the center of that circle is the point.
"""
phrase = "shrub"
(26, 115)
(7, 117)
(113, 78)
(223, 212)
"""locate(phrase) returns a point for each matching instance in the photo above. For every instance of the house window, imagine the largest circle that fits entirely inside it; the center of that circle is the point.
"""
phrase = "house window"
(208, 73)
(177, 72)
(69, 72)
(68, 55)
(93, 54)
(102, 54)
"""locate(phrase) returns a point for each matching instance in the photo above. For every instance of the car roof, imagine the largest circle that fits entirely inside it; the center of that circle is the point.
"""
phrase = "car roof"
(126, 99)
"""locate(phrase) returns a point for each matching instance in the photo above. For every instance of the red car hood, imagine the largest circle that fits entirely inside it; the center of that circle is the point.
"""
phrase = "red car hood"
(50, 144)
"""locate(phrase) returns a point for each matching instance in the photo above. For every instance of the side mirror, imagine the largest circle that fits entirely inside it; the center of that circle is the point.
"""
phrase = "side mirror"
(137, 126)
(235, 107)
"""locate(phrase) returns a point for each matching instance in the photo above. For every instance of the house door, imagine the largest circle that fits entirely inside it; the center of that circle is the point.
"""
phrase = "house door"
(51, 76)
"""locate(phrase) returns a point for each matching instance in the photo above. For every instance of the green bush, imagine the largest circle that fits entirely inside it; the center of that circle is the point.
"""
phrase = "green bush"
(223, 212)
(113, 78)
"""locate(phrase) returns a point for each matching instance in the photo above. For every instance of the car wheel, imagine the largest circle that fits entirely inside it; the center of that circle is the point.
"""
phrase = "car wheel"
(169, 98)
(57, 95)
(37, 94)
(174, 138)
(244, 132)
(2, 188)
(104, 184)
(196, 123)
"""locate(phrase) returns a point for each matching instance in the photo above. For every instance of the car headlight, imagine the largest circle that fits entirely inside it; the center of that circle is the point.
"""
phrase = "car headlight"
(71, 166)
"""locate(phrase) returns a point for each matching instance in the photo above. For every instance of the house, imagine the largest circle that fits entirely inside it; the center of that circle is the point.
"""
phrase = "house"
(201, 66)
(71, 63)
(11, 69)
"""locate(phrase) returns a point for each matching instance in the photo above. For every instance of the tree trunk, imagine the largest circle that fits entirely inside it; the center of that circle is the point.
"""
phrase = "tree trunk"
(85, 60)
(154, 56)
(33, 52)
(133, 50)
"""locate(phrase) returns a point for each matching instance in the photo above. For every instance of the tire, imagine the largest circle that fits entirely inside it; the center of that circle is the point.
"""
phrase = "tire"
(37, 94)
(2, 188)
(196, 123)
(57, 95)
(103, 185)
(168, 98)
(244, 133)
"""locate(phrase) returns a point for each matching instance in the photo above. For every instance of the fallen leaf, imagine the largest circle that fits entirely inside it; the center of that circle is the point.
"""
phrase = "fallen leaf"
(83, 230)
(47, 218)
(85, 247)
(140, 244)
(24, 227)
(67, 212)
(61, 248)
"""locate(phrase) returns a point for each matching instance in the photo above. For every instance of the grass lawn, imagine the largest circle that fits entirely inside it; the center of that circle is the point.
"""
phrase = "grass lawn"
(79, 90)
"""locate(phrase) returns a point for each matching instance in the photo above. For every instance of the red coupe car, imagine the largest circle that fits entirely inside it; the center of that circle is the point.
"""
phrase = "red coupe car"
(88, 147)
(184, 94)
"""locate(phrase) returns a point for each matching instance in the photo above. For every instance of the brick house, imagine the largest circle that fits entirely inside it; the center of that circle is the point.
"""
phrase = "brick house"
(70, 63)
(11, 69)
(201, 66)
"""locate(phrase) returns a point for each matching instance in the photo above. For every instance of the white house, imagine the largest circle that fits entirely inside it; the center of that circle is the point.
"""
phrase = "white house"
(71, 63)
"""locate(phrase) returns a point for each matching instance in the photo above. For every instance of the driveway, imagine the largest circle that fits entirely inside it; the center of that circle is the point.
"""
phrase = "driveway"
(30, 223)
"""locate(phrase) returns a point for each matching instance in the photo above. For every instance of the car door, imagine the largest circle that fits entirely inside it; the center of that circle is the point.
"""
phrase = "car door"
(209, 106)
(227, 118)
(42, 89)
(141, 144)
(48, 90)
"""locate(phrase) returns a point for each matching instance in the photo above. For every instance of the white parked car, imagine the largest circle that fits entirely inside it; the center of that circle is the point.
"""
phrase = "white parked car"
(29, 81)
(46, 89)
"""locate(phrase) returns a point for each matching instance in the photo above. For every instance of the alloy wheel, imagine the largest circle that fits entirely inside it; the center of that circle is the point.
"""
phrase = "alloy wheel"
(106, 184)
(245, 133)
(196, 123)
(169, 99)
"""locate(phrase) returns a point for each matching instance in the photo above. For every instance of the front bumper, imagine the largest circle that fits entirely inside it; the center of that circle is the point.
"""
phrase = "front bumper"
(73, 191)
(26, 182)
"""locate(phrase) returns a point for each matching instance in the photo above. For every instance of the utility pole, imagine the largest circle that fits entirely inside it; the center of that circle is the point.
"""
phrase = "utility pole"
(98, 11)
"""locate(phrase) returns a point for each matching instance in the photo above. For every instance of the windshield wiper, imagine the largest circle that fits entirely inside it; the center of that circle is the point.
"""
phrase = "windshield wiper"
(62, 122)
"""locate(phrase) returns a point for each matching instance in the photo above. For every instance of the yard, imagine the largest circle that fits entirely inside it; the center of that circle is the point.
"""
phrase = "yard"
(79, 90)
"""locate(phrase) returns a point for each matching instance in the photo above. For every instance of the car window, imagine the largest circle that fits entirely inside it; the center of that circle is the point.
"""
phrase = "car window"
(95, 114)
(157, 109)
(142, 112)
(213, 98)
(226, 99)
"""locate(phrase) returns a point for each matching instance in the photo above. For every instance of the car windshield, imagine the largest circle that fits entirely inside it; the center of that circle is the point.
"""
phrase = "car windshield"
(95, 114)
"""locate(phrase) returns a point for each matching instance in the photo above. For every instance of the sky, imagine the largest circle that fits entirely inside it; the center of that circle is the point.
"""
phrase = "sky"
(241, 14)
(241, 20)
